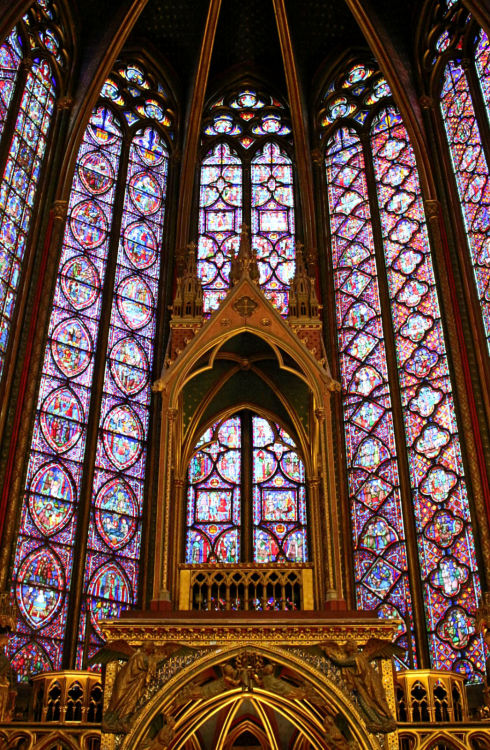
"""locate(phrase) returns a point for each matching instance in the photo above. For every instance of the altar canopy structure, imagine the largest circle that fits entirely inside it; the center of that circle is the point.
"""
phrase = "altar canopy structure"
(244, 322)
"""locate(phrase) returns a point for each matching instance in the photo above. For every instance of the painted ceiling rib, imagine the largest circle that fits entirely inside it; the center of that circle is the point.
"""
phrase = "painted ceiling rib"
(383, 49)
(480, 9)
(303, 160)
(95, 70)
(191, 137)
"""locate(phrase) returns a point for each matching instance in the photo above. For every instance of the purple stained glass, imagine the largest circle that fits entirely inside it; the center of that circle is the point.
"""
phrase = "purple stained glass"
(220, 219)
(10, 58)
(114, 535)
(263, 198)
(279, 496)
(380, 554)
(44, 554)
(213, 496)
(449, 572)
(470, 167)
(18, 186)
(273, 225)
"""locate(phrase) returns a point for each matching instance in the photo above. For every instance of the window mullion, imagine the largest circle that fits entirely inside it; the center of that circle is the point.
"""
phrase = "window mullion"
(13, 111)
(247, 194)
(80, 547)
(398, 423)
(246, 545)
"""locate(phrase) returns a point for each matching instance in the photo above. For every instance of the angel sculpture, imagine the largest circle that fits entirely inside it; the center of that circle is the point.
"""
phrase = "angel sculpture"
(131, 680)
(361, 677)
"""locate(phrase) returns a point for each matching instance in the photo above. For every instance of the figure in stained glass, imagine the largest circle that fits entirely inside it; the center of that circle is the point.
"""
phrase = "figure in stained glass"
(113, 531)
(450, 584)
(279, 504)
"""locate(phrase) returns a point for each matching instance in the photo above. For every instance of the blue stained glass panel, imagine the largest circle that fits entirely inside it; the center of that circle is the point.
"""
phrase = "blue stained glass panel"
(111, 578)
(48, 523)
(20, 178)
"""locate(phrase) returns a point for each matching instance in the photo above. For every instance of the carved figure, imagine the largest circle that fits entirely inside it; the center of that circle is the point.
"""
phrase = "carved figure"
(165, 736)
(131, 680)
(361, 677)
(333, 736)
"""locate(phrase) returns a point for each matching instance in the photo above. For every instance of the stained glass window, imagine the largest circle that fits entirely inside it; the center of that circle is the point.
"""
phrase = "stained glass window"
(220, 220)
(471, 169)
(218, 470)
(380, 554)
(30, 112)
(396, 274)
(58, 468)
(246, 177)
(213, 504)
(111, 573)
(462, 58)
(279, 496)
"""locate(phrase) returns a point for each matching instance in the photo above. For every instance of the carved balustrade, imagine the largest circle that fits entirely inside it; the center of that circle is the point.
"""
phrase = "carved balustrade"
(66, 697)
(429, 695)
(246, 587)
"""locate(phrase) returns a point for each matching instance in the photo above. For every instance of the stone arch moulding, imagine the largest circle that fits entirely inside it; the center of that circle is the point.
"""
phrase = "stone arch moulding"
(246, 310)
(308, 698)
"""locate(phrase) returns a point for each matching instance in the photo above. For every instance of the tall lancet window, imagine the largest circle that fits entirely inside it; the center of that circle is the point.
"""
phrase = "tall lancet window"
(459, 63)
(32, 72)
(402, 449)
(95, 384)
(227, 524)
(246, 176)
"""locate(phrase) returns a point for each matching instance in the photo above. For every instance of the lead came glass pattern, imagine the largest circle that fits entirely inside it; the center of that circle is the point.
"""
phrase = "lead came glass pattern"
(220, 219)
(471, 171)
(279, 496)
(445, 539)
(44, 555)
(28, 98)
(445, 544)
(273, 228)
(18, 186)
(10, 57)
(380, 555)
(214, 494)
(245, 176)
(111, 575)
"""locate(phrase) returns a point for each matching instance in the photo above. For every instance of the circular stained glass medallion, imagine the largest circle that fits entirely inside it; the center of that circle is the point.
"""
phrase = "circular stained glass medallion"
(123, 434)
(116, 513)
(140, 245)
(71, 347)
(51, 497)
(108, 591)
(61, 417)
(80, 282)
(135, 302)
(129, 366)
(145, 192)
(96, 172)
(40, 586)
(88, 224)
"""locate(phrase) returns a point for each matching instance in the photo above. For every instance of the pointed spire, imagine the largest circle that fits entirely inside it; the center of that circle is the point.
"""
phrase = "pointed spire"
(303, 300)
(188, 299)
(245, 262)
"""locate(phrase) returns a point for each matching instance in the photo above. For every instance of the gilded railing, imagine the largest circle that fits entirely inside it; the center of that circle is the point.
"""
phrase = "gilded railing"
(246, 587)
(429, 695)
(66, 697)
